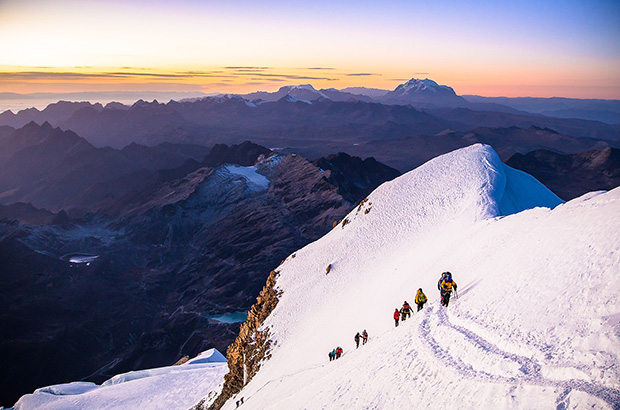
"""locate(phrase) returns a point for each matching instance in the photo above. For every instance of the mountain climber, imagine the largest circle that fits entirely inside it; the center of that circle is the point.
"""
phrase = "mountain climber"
(357, 339)
(405, 310)
(338, 352)
(364, 337)
(446, 287)
(420, 299)
(396, 317)
(332, 355)
(443, 276)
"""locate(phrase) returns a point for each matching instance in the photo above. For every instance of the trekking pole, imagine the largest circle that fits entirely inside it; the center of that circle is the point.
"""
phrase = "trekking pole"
(456, 294)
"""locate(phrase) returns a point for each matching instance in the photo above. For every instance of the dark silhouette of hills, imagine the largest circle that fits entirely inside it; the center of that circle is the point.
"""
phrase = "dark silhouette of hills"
(607, 111)
(468, 119)
(27, 214)
(55, 169)
(573, 175)
(53, 113)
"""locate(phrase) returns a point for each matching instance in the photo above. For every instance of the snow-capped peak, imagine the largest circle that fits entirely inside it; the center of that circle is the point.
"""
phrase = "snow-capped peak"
(302, 92)
(518, 335)
(418, 85)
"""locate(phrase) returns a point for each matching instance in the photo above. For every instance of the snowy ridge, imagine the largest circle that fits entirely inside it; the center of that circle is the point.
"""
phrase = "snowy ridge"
(171, 387)
(515, 254)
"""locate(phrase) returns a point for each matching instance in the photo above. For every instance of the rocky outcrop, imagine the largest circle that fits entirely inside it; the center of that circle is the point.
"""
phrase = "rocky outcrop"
(244, 154)
(354, 177)
(250, 348)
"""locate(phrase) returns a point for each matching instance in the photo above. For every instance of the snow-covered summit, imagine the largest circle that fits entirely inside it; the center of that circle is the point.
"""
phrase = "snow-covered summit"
(535, 324)
(422, 85)
(417, 91)
(302, 92)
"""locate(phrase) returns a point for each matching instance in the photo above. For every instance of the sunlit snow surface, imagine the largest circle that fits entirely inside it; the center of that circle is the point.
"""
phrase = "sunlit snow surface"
(172, 387)
(535, 326)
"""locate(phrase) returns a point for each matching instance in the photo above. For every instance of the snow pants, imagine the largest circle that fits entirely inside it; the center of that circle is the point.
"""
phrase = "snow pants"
(420, 306)
(446, 298)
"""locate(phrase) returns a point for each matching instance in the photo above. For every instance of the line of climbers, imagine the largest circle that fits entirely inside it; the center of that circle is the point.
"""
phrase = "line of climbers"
(405, 311)
(445, 286)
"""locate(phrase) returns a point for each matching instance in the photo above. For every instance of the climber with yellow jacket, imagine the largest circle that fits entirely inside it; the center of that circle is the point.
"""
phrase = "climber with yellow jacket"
(446, 287)
(420, 299)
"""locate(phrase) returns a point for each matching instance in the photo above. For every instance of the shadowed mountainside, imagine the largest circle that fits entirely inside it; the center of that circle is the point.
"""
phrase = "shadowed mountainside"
(106, 294)
(571, 176)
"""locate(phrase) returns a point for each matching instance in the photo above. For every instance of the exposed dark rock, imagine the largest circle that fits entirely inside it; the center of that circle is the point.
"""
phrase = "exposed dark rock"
(244, 154)
(570, 176)
(354, 177)
(246, 354)
(61, 218)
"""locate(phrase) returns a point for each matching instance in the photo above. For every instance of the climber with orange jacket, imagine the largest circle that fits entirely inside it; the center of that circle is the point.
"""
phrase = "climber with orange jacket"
(396, 317)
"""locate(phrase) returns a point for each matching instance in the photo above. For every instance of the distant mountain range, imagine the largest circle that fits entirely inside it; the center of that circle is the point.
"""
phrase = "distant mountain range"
(419, 93)
(314, 123)
(607, 111)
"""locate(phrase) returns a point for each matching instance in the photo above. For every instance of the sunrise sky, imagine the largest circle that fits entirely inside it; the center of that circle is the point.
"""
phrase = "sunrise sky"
(568, 48)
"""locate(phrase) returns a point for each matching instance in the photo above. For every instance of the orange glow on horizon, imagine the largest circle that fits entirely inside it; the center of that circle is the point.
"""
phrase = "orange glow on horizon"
(517, 82)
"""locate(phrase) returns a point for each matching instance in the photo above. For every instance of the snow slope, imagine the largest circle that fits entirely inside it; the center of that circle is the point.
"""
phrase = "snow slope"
(536, 324)
(172, 387)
